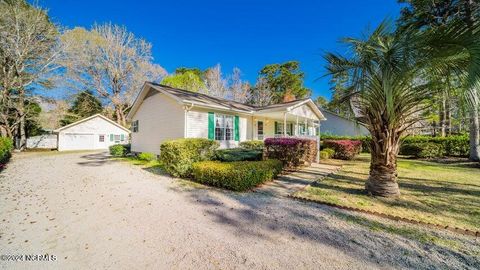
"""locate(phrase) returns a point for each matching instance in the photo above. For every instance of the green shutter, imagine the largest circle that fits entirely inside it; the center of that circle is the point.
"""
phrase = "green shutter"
(211, 126)
(111, 137)
(236, 128)
(276, 128)
(122, 137)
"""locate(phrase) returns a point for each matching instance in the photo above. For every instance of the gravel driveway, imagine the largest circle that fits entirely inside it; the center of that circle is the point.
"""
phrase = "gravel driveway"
(92, 212)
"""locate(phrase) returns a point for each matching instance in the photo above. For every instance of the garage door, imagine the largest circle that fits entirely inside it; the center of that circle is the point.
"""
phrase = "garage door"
(72, 141)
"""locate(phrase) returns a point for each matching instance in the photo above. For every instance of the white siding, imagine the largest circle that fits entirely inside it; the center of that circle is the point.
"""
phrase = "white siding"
(85, 135)
(160, 118)
(336, 125)
(304, 111)
(197, 126)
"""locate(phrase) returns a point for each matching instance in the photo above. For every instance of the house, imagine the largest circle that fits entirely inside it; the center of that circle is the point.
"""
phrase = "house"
(162, 113)
(341, 126)
(91, 133)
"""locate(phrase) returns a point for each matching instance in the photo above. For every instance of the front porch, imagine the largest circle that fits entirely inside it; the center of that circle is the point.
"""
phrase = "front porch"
(284, 124)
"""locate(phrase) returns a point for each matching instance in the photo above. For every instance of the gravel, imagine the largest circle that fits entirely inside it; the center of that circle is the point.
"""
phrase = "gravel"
(92, 212)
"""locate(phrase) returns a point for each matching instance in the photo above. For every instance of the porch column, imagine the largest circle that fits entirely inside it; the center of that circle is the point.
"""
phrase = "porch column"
(297, 128)
(306, 126)
(285, 124)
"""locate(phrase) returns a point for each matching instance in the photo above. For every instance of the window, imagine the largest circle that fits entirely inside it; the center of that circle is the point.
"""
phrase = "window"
(279, 128)
(260, 130)
(302, 130)
(135, 126)
(101, 138)
(223, 127)
(117, 138)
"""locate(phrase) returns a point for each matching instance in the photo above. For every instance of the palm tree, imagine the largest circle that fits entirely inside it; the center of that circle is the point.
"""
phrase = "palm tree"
(388, 87)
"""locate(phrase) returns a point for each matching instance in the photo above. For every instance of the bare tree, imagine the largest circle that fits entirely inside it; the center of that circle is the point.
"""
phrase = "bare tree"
(261, 94)
(238, 90)
(216, 85)
(29, 49)
(111, 60)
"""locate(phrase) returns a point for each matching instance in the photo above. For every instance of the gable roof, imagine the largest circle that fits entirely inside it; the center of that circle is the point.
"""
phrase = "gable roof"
(88, 118)
(203, 100)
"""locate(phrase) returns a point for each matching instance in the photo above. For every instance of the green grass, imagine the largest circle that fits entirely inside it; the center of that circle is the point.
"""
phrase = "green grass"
(153, 166)
(441, 193)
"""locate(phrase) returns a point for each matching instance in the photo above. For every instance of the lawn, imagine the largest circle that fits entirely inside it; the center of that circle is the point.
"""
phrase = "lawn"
(446, 193)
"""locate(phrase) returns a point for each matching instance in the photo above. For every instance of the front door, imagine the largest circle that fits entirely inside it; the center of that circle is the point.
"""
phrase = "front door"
(260, 130)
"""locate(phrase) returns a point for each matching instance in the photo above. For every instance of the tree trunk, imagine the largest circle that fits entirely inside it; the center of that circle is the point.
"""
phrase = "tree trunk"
(474, 135)
(22, 135)
(382, 180)
(443, 115)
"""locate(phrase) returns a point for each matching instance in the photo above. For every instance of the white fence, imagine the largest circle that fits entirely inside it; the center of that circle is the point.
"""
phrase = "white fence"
(47, 141)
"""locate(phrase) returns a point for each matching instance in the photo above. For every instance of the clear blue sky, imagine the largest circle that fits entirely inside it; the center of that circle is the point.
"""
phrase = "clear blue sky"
(247, 34)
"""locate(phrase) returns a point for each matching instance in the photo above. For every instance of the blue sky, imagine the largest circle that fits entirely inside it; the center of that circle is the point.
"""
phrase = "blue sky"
(246, 34)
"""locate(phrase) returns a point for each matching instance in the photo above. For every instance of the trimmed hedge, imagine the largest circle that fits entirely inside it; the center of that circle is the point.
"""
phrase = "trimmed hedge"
(423, 150)
(327, 153)
(344, 149)
(6, 147)
(119, 150)
(146, 156)
(457, 145)
(292, 152)
(177, 156)
(237, 176)
(258, 145)
(238, 154)
(366, 140)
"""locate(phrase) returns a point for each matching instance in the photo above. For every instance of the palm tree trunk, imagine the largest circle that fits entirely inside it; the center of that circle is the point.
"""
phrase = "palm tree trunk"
(474, 135)
(382, 180)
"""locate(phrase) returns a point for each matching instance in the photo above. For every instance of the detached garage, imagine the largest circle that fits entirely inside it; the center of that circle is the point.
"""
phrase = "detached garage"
(91, 133)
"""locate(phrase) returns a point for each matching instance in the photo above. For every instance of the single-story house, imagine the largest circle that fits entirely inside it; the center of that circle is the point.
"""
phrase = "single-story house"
(341, 126)
(91, 133)
(162, 113)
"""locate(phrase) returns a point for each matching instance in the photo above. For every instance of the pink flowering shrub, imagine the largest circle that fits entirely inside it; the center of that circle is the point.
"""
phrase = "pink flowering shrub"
(344, 149)
(293, 152)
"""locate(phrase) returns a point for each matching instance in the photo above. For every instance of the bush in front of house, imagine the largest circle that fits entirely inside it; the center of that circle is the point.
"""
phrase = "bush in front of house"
(423, 150)
(366, 140)
(255, 144)
(292, 152)
(344, 149)
(119, 150)
(6, 147)
(237, 176)
(327, 153)
(238, 154)
(147, 156)
(177, 156)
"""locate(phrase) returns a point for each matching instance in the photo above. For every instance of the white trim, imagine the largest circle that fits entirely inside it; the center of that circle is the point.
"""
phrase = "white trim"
(88, 118)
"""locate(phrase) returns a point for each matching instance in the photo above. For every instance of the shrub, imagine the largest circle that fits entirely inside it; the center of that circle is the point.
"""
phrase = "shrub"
(252, 145)
(237, 176)
(423, 150)
(146, 156)
(344, 149)
(238, 154)
(292, 152)
(6, 147)
(177, 156)
(366, 140)
(327, 153)
(119, 150)
(457, 145)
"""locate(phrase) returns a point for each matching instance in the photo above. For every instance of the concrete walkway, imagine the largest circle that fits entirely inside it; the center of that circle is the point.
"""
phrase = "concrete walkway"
(295, 181)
